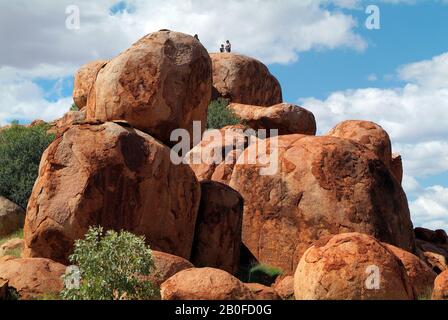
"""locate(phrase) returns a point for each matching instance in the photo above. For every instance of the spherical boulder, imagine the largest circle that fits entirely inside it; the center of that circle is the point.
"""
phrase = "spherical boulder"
(317, 186)
(242, 79)
(12, 217)
(114, 176)
(204, 284)
(167, 265)
(161, 83)
(351, 266)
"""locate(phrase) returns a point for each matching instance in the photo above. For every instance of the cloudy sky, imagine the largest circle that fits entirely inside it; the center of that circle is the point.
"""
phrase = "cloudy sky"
(320, 50)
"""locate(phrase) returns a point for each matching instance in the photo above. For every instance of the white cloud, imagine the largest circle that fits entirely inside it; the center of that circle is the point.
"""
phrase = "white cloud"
(416, 119)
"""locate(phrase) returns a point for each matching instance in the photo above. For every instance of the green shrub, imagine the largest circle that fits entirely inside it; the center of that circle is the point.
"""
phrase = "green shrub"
(111, 266)
(264, 274)
(219, 115)
(21, 149)
(74, 107)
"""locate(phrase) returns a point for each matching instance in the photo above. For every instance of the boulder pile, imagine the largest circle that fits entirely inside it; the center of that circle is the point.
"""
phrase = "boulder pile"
(331, 216)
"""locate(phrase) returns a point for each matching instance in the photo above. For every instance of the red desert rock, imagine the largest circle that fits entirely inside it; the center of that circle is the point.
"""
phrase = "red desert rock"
(163, 82)
(204, 284)
(12, 217)
(84, 79)
(217, 157)
(440, 291)
(396, 166)
(218, 228)
(11, 245)
(284, 286)
(323, 186)
(114, 176)
(420, 274)
(33, 277)
(167, 265)
(285, 117)
(242, 79)
(351, 266)
(371, 135)
(262, 292)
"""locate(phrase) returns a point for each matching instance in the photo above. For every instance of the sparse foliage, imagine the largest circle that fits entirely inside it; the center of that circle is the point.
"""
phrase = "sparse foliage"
(219, 115)
(111, 266)
(74, 107)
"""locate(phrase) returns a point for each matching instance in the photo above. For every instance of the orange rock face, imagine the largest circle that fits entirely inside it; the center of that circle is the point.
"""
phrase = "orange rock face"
(351, 266)
(441, 287)
(368, 134)
(285, 117)
(262, 292)
(84, 80)
(228, 147)
(12, 217)
(33, 277)
(245, 80)
(167, 265)
(204, 284)
(218, 228)
(420, 274)
(284, 287)
(396, 166)
(114, 176)
(323, 186)
(163, 82)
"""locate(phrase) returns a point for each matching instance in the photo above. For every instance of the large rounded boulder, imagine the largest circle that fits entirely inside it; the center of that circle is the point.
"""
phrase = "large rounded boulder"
(114, 176)
(351, 266)
(33, 278)
(242, 79)
(316, 186)
(161, 83)
(85, 78)
(204, 284)
(218, 228)
(284, 117)
(167, 265)
(369, 134)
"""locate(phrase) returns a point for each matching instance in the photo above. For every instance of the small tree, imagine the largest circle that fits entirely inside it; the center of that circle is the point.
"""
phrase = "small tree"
(219, 115)
(111, 266)
(21, 149)
(74, 107)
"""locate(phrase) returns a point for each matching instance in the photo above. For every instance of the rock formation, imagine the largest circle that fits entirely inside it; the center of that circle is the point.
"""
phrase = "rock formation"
(440, 291)
(33, 277)
(284, 287)
(262, 292)
(323, 186)
(166, 266)
(204, 284)
(114, 176)
(432, 247)
(351, 266)
(285, 117)
(10, 246)
(244, 80)
(12, 217)
(85, 78)
(163, 82)
(218, 228)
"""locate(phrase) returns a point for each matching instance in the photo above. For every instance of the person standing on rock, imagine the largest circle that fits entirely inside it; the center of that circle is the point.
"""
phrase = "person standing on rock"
(222, 49)
(228, 46)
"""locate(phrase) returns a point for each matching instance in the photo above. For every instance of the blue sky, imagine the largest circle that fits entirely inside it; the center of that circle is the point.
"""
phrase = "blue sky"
(323, 55)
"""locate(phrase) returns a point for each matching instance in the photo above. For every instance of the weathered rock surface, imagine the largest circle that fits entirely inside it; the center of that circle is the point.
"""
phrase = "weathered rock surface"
(440, 291)
(10, 246)
(12, 217)
(419, 273)
(242, 79)
(33, 277)
(217, 157)
(163, 82)
(432, 247)
(343, 267)
(218, 228)
(284, 287)
(84, 80)
(262, 292)
(369, 134)
(69, 119)
(114, 176)
(166, 266)
(323, 186)
(204, 284)
(285, 117)
(396, 166)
